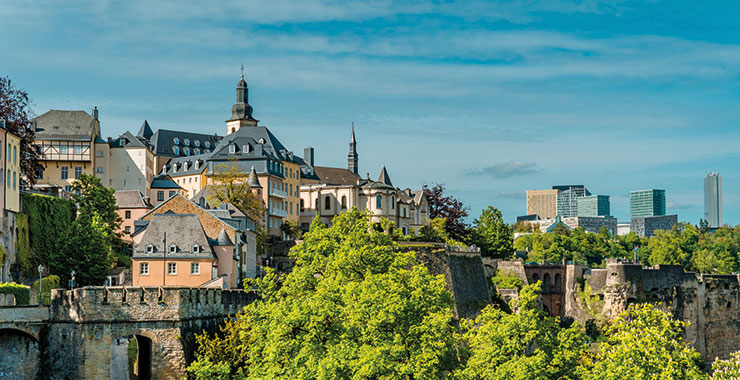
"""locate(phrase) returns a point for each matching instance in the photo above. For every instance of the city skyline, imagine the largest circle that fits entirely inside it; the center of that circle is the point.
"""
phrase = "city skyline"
(616, 96)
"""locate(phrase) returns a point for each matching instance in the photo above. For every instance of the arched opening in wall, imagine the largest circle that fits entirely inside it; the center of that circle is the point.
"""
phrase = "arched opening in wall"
(535, 278)
(557, 311)
(546, 283)
(131, 358)
(20, 355)
(558, 283)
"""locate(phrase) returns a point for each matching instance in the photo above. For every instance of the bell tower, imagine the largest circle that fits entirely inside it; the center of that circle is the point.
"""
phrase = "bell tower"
(352, 157)
(241, 112)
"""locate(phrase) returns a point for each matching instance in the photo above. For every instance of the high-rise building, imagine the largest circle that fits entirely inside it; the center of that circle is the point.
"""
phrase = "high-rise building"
(646, 226)
(645, 203)
(567, 199)
(713, 199)
(593, 205)
(543, 203)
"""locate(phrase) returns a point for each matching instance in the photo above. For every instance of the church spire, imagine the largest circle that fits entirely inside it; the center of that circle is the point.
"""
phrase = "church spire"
(241, 112)
(352, 156)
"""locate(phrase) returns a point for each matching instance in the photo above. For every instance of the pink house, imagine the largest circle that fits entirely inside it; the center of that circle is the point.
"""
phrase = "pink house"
(131, 206)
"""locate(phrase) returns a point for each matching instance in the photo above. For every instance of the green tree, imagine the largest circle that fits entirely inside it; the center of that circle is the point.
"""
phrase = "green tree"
(645, 343)
(86, 250)
(229, 184)
(525, 345)
(494, 237)
(15, 110)
(434, 231)
(353, 307)
(727, 369)
(93, 198)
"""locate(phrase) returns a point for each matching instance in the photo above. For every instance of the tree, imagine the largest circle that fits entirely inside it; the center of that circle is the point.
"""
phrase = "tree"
(353, 307)
(494, 237)
(86, 250)
(727, 369)
(229, 184)
(645, 342)
(93, 198)
(449, 208)
(15, 111)
(525, 345)
(434, 231)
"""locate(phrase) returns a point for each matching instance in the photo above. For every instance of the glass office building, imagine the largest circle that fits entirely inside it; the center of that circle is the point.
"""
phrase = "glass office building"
(646, 203)
(713, 200)
(593, 205)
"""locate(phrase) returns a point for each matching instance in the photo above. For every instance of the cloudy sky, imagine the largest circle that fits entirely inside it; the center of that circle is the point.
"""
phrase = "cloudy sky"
(489, 98)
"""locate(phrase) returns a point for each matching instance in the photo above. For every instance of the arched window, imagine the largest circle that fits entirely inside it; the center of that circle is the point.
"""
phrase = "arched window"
(196, 143)
(233, 130)
(344, 201)
(186, 142)
(546, 283)
(176, 141)
(393, 203)
(196, 151)
(403, 229)
(535, 278)
(207, 144)
(558, 282)
(327, 203)
(303, 207)
(186, 150)
(176, 150)
(379, 201)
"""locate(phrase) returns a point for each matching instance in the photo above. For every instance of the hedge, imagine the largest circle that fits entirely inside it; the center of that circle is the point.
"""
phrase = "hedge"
(49, 219)
(23, 245)
(47, 284)
(22, 293)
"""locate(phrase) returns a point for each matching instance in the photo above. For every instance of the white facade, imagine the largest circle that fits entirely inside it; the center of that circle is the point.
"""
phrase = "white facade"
(130, 169)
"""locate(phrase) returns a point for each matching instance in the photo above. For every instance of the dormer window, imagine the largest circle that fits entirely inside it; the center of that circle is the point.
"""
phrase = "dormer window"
(176, 141)
(176, 150)
(197, 164)
(186, 142)
(207, 144)
(195, 248)
(232, 149)
(149, 248)
(196, 151)
(186, 150)
(173, 248)
(207, 151)
(174, 168)
(246, 148)
(196, 143)
(261, 140)
(186, 166)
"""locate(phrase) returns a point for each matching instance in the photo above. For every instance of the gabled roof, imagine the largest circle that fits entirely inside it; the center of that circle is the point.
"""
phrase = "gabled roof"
(182, 230)
(336, 176)
(179, 164)
(164, 142)
(127, 140)
(384, 178)
(145, 131)
(65, 125)
(269, 145)
(130, 199)
(164, 181)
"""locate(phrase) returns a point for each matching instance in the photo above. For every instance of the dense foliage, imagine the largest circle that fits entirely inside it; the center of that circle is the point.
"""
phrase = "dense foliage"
(21, 293)
(229, 184)
(494, 237)
(504, 280)
(86, 250)
(93, 199)
(23, 244)
(47, 284)
(448, 208)
(15, 110)
(49, 219)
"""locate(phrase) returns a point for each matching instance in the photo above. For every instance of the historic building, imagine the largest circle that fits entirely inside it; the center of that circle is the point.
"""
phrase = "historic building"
(10, 177)
(69, 143)
(168, 144)
(130, 164)
(188, 172)
(162, 188)
(132, 205)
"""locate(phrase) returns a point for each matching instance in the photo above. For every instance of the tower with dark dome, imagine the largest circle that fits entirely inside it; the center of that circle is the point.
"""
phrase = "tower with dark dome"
(241, 111)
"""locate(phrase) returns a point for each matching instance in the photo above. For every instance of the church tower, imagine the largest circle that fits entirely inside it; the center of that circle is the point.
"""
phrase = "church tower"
(241, 112)
(352, 156)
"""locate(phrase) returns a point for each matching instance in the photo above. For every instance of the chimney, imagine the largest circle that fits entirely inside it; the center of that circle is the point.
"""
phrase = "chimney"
(308, 156)
(95, 113)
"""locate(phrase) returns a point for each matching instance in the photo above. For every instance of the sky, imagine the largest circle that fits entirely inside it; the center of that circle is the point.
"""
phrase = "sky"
(490, 98)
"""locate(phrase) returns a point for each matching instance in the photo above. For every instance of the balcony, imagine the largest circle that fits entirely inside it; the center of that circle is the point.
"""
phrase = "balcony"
(278, 193)
(274, 211)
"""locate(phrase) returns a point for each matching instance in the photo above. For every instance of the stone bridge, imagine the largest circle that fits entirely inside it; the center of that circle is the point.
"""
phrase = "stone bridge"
(80, 334)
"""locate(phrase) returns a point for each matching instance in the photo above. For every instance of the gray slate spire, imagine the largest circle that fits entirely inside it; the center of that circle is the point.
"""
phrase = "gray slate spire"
(223, 238)
(252, 180)
(384, 177)
(352, 157)
(145, 131)
(241, 109)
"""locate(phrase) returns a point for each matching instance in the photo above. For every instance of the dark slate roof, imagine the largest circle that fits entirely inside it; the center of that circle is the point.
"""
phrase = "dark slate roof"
(179, 164)
(130, 199)
(336, 176)
(223, 238)
(163, 143)
(183, 230)
(65, 125)
(207, 193)
(163, 181)
(127, 140)
(145, 131)
(384, 178)
(252, 180)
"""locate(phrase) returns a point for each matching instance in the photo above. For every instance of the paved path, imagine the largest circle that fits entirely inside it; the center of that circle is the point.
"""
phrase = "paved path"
(119, 360)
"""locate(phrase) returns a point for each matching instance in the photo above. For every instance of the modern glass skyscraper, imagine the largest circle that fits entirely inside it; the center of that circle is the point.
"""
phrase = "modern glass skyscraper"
(593, 205)
(713, 199)
(645, 203)
(568, 199)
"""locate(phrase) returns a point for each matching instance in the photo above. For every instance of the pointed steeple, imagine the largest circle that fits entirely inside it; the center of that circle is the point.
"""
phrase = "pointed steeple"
(252, 180)
(145, 131)
(241, 112)
(352, 157)
(223, 238)
(384, 177)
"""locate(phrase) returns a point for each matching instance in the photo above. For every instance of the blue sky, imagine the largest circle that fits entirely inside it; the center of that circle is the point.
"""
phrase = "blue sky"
(490, 98)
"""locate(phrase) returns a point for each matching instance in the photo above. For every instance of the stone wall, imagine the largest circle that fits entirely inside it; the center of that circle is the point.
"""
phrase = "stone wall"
(20, 355)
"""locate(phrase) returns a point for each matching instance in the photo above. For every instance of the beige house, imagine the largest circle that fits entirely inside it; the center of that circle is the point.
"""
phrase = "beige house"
(130, 164)
(162, 188)
(188, 173)
(67, 141)
(10, 176)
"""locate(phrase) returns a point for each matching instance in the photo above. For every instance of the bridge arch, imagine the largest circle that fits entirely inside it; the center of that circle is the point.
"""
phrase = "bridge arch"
(21, 354)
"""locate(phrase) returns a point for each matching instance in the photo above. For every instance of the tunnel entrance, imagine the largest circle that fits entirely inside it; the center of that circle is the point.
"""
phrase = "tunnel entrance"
(131, 358)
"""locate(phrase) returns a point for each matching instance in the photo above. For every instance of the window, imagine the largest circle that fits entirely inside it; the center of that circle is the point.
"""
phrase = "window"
(127, 229)
(128, 168)
(63, 149)
(149, 248)
(99, 169)
(303, 207)
(344, 201)
(291, 209)
(195, 248)
(232, 149)
(327, 203)
(186, 142)
(67, 188)
(196, 143)
(172, 193)
(196, 151)
(194, 268)
(160, 195)
(207, 144)
(13, 180)
(15, 154)
(64, 172)
(144, 268)
(176, 150)
(171, 268)
(176, 141)
(403, 229)
(186, 151)
(245, 148)
(404, 212)
(99, 153)
(173, 248)
(128, 214)
(77, 149)
(393, 203)
(379, 202)
(8, 182)
(78, 172)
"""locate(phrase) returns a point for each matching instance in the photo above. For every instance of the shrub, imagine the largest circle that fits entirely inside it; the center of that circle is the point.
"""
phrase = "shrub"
(47, 284)
(21, 293)
(507, 281)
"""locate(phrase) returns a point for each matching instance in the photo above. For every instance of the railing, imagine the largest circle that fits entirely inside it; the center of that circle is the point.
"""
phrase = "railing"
(274, 211)
(278, 193)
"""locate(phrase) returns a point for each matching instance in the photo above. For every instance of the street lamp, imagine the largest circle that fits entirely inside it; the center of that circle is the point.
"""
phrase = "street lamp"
(41, 271)
(72, 279)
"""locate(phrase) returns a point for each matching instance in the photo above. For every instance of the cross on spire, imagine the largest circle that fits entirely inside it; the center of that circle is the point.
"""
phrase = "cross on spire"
(242, 68)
